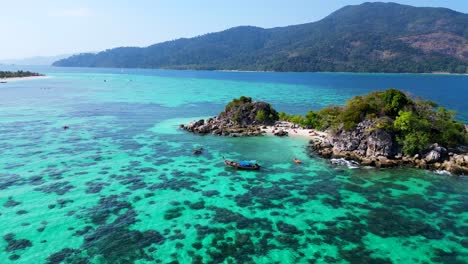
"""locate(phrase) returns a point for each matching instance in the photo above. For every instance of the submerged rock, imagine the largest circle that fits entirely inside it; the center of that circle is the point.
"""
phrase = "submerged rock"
(281, 133)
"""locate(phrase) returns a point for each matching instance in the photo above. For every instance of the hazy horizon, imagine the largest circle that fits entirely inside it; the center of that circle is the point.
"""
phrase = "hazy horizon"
(57, 27)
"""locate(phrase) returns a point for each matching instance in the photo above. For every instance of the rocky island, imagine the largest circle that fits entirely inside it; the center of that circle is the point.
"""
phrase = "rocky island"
(382, 129)
(241, 117)
(388, 129)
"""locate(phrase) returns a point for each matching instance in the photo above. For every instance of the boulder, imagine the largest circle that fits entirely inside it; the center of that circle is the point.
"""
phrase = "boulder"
(367, 162)
(281, 133)
(192, 126)
(433, 156)
(204, 129)
(436, 154)
(365, 140)
(422, 164)
(380, 143)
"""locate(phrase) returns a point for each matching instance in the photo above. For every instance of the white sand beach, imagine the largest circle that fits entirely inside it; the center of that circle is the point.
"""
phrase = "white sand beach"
(14, 79)
(293, 130)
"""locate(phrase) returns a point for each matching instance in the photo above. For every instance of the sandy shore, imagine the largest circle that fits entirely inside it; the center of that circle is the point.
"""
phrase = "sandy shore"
(292, 131)
(23, 78)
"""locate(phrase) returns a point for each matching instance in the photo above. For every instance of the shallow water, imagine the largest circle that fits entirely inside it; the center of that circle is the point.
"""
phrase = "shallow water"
(122, 186)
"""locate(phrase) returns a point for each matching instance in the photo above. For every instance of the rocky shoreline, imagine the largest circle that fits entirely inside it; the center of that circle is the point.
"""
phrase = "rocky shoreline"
(376, 147)
(220, 127)
(217, 127)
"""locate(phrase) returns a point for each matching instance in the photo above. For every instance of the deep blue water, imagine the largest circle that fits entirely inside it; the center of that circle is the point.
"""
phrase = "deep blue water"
(449, 91)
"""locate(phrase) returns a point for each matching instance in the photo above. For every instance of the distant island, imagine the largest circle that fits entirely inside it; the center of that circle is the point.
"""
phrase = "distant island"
(371, 37)
(18, 74)
(382, 129)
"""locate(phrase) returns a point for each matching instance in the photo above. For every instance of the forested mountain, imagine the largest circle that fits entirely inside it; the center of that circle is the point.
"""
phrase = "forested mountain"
(371, 37)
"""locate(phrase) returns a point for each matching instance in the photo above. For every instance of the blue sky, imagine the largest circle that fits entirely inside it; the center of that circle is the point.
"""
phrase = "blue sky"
(52, 27)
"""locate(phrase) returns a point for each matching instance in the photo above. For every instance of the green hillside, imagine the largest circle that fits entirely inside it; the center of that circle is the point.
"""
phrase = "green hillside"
(371, 37)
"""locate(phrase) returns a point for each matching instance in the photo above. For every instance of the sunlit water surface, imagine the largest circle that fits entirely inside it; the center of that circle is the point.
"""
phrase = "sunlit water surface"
(122, 186)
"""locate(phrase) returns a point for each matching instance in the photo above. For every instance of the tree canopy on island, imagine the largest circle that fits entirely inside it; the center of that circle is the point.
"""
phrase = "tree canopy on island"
(416, 123)
(371, 37)
(245, 111)
(17, 74)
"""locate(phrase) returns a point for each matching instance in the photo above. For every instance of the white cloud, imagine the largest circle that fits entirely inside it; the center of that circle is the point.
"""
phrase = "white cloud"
(72, 12)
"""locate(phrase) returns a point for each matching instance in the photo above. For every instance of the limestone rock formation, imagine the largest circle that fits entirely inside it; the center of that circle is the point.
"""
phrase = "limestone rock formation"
(377, 147)
(241, 117)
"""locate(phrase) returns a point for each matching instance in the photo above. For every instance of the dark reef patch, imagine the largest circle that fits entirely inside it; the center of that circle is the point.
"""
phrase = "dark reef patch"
(63, 202)
(9, 180)
(112, 241)
(210, 193)
(59, 188)
(197, 205)
(107, 206)
(288, 229)
(15, 244)
(65, 255)
(11, 203)
(360, 254)
(226, 216)
(176, 184)
(264, 197)
(95, 187)
(36, 180)
(83, 231)
(387, 223)
(173, 213)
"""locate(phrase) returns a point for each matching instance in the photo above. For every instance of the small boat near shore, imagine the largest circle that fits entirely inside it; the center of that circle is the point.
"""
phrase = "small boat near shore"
(243, 165)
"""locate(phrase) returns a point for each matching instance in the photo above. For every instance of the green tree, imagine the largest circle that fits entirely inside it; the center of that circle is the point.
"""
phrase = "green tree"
(414, 133)
(261, 116)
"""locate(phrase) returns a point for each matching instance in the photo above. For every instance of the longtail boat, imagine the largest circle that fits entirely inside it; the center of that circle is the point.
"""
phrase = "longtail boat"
(243, 165)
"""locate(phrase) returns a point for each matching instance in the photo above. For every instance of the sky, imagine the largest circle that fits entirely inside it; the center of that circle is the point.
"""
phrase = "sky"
(54, 27)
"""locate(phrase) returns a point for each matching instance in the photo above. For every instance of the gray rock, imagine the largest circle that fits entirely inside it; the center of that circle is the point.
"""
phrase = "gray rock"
(365, 140)
(281, 133)
(433, 156)
(380, 143)
(436, 154)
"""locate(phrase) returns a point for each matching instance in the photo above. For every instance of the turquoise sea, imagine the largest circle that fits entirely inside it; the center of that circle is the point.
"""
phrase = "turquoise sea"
(122, 186)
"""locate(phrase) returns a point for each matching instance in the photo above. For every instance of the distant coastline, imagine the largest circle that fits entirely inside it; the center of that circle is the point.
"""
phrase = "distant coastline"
(386, 41)
(425, 73)
(9, 76)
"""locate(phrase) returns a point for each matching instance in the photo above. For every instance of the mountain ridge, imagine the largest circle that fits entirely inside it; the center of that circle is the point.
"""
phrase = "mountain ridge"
(371, 37)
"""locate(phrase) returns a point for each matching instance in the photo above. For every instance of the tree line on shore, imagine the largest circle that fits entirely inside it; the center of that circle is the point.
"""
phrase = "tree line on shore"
(17, 74)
